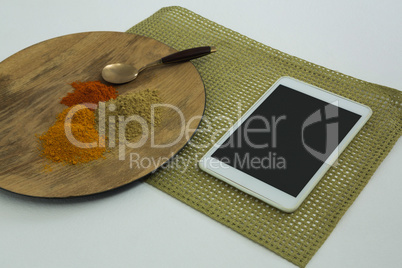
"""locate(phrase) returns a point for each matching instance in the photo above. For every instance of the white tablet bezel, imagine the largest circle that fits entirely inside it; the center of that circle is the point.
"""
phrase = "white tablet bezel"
(264, 191)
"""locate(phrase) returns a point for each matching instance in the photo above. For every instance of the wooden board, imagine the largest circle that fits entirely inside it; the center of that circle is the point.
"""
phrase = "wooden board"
(32, 83)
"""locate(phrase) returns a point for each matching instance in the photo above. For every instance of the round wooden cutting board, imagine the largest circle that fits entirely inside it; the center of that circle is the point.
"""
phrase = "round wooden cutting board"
(32, 83)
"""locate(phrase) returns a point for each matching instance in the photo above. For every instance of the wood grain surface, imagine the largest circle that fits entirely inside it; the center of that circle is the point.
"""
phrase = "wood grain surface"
(32, 83)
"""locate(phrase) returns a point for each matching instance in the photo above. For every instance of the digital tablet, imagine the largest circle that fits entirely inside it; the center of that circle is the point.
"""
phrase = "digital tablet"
(283, 145)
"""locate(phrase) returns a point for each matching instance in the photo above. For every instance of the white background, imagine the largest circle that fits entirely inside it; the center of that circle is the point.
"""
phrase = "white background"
(143, 227)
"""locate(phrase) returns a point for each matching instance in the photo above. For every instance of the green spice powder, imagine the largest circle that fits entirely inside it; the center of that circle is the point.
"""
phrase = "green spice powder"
(133, 104)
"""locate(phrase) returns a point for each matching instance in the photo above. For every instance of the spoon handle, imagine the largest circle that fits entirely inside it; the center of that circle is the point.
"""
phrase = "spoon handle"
(188, 54)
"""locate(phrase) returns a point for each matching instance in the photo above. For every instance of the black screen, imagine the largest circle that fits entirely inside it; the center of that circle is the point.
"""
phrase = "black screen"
(287, 139)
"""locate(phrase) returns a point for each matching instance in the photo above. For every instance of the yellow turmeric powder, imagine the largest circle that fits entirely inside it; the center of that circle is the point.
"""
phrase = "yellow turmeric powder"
(59, 148)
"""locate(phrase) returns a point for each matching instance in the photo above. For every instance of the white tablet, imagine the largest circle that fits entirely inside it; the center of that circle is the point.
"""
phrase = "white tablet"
(283, 145)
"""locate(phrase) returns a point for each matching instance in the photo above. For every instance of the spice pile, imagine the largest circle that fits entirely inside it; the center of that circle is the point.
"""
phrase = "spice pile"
(74, 137)
(57, 146)
(89, 92)
(140, 104)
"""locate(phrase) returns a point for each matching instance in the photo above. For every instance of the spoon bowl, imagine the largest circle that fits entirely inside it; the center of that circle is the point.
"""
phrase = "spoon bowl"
(119, 73)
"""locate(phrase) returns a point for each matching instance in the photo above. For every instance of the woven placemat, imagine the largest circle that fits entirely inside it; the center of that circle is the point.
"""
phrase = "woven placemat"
(239, 73)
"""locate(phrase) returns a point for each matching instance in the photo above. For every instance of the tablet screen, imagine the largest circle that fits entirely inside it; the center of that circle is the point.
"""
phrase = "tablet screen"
(287, 139)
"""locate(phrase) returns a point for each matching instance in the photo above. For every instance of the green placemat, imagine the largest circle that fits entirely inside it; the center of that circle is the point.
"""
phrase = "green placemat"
(239, 73)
